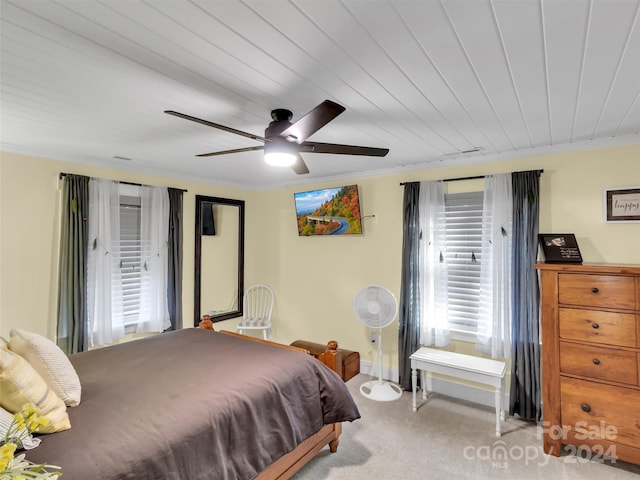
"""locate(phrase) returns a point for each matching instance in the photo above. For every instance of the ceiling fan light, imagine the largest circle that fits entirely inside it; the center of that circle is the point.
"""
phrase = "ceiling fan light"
(280, 153)
(280, 159)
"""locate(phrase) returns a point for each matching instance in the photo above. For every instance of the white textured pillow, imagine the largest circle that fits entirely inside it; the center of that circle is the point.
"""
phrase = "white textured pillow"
(21, 384)
(50, 362)
(3, 343)
(28, 441)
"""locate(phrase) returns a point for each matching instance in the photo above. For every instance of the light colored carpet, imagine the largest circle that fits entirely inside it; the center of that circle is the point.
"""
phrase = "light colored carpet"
(446, 439)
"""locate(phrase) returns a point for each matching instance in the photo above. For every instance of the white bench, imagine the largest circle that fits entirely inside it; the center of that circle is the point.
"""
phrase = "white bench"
(467, 367)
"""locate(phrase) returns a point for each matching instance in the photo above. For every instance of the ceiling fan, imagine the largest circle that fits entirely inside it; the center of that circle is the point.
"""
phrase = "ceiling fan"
(283, 140)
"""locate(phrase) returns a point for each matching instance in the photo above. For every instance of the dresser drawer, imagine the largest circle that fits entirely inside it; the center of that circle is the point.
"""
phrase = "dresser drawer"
(585, 404)
(598, 327)
(602, 291)
(597, 362)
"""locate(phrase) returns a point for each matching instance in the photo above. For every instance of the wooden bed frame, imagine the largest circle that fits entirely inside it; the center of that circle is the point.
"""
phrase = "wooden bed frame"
(289, 464)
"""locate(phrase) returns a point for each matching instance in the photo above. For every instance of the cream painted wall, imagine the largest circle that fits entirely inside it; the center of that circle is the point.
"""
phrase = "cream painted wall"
(30, 193)
(315, 279)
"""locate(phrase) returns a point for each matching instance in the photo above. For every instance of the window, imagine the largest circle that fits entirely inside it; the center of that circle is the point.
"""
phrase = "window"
(463, 256)
(130, 259)
(465, 265)
(127, 265)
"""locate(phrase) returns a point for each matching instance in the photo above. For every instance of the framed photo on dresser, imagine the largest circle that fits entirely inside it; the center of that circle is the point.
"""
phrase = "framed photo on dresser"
(559, 248)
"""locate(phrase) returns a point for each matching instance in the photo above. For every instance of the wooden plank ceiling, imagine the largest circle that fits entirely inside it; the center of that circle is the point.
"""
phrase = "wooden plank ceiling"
(88, 81)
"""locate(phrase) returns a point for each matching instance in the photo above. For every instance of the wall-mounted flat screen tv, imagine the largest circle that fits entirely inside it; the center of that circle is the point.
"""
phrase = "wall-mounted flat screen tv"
(329, 211)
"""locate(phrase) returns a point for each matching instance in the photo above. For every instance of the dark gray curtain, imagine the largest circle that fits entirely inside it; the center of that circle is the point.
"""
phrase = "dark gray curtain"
(174, 282)
(525, 366)
(409, 333)
(72, 299)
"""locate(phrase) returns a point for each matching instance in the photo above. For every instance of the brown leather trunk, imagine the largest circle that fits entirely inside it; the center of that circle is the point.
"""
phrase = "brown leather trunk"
(349, 364)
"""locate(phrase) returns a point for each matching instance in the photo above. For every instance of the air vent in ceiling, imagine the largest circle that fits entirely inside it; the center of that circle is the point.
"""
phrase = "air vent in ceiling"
(462, 152)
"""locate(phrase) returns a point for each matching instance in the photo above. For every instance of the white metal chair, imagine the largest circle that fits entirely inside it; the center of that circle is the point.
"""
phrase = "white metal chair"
(257, 306)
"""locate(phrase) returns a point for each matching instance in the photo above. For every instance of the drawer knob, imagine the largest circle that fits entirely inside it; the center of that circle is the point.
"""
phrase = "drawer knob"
(586, 407)
(596, 361)
(595, 290)
(595, 325)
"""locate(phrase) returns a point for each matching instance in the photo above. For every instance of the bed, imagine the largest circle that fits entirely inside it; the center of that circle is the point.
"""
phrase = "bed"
(196, 404)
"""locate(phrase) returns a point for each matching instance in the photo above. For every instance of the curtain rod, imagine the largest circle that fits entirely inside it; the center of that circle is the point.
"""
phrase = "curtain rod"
(475, 178)
(62, 175)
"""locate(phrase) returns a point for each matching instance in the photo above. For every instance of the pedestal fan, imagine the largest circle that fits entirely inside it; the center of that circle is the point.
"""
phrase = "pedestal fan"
(376, 307)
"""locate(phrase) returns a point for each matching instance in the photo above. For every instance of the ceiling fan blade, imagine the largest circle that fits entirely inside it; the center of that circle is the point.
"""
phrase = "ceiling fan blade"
(312, 121)
(316, 147)
(215, 125)
(235, 150)
(299, 166)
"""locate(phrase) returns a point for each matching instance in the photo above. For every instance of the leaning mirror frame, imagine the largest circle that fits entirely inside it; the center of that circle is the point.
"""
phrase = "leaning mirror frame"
(200, 201)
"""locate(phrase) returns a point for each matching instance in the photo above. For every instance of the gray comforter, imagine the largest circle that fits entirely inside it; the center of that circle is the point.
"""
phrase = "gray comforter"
(192, 404)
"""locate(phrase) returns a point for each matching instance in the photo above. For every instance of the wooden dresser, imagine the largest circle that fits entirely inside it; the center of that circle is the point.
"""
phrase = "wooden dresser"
(591, 359)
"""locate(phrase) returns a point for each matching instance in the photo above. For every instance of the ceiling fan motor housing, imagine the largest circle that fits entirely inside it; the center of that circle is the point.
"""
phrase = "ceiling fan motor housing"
(281, 121)
(281, 114)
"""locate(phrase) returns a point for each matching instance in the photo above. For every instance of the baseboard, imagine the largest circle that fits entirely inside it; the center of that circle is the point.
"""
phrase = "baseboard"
(444, 386)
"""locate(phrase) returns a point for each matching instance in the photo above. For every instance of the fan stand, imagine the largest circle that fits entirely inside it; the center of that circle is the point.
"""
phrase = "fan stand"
(380, 390)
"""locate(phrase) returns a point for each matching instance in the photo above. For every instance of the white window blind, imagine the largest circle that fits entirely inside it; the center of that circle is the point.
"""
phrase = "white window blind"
(130, 256)
(464, 233)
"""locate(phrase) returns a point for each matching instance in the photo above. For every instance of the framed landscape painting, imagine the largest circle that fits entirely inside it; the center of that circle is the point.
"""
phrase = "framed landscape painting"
(329, 211)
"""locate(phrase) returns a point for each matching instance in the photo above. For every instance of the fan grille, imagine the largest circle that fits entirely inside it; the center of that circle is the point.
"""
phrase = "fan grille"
(375, 306)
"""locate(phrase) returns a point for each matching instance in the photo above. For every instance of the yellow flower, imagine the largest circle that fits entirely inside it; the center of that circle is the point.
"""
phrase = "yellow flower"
(18, 468)
(34, 423)
(30, 409)
(19, 420)
(6, 454)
